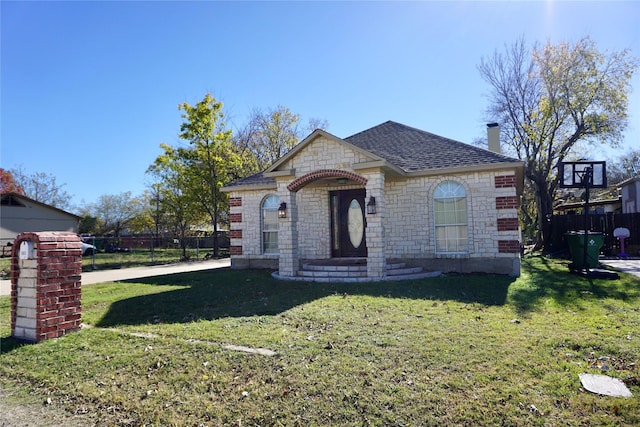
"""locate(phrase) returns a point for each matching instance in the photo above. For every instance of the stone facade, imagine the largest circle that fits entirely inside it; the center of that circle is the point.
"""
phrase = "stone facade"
(245, 230)
(403, 226)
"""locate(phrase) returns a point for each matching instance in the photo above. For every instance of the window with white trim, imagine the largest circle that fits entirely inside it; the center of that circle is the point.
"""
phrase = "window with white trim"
(270, 224)
(450, 213)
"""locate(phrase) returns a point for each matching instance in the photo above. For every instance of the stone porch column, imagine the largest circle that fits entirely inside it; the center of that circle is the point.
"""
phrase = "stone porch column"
(376, 241)
(288, 234)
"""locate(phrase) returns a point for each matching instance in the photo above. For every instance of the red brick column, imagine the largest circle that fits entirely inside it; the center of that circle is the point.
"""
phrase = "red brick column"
(507, 224)
(235, 218)
(46, 289)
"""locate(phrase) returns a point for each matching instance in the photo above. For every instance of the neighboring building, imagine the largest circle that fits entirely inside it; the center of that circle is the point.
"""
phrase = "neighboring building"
(386, 195)
(601, 206)
(630, 191)
(628, 201)
(20, 214)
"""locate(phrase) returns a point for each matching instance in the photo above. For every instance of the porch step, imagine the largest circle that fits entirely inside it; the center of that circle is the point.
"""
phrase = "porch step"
(355, 270)
(334, 268)
(344, 274)
(403, 271)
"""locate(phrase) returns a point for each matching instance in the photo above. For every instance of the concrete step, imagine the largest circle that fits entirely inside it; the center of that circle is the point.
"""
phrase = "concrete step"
(403, 271)
(342, 273)
(362, 279)
(393, 265)
(317, 267)
(355, 271)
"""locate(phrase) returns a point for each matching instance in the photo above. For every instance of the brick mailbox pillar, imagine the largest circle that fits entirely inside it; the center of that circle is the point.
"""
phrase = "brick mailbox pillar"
(46, 269)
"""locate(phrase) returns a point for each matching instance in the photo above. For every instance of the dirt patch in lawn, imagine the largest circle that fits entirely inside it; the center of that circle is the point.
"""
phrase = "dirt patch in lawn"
(28, 411)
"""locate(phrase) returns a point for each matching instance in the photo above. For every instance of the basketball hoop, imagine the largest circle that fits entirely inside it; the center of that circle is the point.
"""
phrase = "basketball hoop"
(583, 174)
(587, 175)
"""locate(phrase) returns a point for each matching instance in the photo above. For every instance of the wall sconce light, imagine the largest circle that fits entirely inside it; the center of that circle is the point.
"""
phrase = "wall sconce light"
(282, 210)
(371, 206)
(342, 181)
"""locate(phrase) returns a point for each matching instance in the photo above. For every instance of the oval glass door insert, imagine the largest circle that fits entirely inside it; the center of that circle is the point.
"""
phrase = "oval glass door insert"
(355, 223)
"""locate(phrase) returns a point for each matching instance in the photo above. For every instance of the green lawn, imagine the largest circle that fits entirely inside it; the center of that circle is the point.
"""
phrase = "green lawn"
(454, 350)
(142, 257)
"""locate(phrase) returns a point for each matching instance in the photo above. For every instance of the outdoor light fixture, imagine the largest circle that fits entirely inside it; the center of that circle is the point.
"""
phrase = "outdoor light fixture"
(371, 206)
(342, 181)
(282, 210)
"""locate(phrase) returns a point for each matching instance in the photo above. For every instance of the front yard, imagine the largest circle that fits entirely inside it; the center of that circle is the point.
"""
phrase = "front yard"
(196, 349)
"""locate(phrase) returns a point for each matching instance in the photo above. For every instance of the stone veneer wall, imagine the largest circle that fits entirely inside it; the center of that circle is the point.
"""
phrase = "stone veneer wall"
(46, 289)
(494, 233)
(324, 153)
(245, 230)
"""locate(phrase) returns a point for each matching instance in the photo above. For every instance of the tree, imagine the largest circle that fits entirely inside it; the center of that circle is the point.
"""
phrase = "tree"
(551, 98)
(624, 167)
(115, 212)
(270, 135)
(88, 224)
(144, 221)
(42, 187)
(211, 159)
(8, 184)
(173, 193)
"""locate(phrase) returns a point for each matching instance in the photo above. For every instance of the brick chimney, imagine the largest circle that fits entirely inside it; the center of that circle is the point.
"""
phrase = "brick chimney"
(493, 137)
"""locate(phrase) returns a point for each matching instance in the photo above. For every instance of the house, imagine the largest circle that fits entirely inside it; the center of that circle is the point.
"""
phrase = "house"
(627, 202)
(388, 196)
(20, 214)
(600, 206)
(630, 193)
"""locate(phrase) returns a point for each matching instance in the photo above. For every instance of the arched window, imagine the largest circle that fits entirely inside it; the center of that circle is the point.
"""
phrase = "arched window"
(270, 224)
(450, 213)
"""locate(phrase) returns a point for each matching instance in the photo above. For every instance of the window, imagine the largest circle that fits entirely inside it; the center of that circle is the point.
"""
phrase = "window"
(450, 213)
(270, 224)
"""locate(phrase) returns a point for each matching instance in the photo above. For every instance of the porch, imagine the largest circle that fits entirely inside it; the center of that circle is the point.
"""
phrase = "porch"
(353, 270)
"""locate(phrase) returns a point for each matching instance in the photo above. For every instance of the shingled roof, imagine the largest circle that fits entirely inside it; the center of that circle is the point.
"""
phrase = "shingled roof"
(257, 179)
(413, 149)
(409, 149)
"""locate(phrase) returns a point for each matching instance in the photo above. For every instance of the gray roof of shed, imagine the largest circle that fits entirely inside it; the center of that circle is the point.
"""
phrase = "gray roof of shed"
(409, 149)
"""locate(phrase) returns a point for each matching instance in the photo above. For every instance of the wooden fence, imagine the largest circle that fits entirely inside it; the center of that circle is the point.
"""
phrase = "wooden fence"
(599, 223)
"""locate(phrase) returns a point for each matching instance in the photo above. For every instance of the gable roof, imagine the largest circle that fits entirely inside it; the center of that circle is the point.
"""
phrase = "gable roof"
(413, 149)
(11, 199)
(403, 148)
(312, 137)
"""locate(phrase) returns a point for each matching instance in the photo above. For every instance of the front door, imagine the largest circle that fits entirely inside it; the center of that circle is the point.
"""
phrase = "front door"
(348, 223)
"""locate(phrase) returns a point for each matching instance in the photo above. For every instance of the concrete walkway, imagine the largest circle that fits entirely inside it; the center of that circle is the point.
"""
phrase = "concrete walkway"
(89, 278)
(631, 266)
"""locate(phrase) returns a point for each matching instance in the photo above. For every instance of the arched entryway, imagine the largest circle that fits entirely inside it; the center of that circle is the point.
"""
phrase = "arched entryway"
(346, 193)
(327, 221)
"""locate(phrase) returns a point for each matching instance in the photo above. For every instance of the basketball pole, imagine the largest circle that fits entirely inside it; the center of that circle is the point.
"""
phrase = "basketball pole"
(586, 180)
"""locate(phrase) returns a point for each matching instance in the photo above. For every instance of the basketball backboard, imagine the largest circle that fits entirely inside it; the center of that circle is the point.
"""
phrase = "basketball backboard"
(583, 174)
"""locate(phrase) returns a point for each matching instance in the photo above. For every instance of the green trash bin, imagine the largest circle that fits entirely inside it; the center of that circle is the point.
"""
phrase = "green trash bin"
(595, 241)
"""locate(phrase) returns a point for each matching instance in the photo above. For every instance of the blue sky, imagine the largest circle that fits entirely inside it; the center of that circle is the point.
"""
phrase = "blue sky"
(90, 89)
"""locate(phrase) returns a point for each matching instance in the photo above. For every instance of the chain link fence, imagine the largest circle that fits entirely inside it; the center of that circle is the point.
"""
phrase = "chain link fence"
(145, 249)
